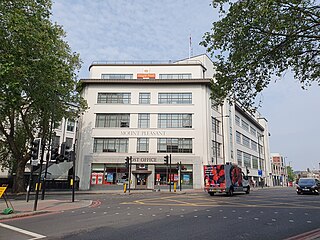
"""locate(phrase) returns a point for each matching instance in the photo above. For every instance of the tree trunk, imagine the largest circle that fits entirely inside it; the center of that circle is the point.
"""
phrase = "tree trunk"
(19, 180)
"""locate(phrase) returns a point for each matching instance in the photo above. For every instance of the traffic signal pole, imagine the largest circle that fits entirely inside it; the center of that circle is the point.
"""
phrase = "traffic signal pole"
(170, 172)
(39, 178)
(130, 163)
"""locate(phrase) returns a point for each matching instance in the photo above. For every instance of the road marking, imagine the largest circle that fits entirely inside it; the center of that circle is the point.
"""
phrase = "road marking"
(256, 219)
(19, 230)
(291, 221)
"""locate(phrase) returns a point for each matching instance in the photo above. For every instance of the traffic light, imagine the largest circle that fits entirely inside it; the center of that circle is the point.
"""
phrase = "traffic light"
(35, 149)
(127, 162)
(63, 148)
(166, 159)
(54, 153)
(67, 153)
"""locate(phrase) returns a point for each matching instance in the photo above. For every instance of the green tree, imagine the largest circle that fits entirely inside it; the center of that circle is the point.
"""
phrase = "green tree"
(257, 41)
(37, 76)
(291, 175)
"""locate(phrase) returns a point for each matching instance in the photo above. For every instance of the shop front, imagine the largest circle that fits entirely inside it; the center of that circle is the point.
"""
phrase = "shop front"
(143, 176)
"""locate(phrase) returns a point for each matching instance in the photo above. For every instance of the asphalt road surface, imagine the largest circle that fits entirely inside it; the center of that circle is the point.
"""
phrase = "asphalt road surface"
(273, 213)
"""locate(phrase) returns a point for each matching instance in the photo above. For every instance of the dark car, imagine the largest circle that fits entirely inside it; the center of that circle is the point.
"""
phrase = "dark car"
(308, 185)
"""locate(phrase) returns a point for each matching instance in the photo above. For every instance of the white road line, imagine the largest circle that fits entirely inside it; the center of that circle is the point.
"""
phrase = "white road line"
(19, 230)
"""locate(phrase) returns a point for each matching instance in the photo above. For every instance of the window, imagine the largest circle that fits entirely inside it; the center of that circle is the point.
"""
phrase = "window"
(253, 131)
(245, 125)
(69, 142)
(174, 145)
(175, 121)
(239, 158)
(122, 98)
(116, 76)
(247, 160)
(175, 76)
(246, 141)
(254, 162)
(70, 125)
(175, 98)
(254, 145)
(110, 120)
(144, 98)
(142, 145)
(216, 146)
(55, 141)
(215, 125)
(237, 120)
(110, 145)
(143, 120)
(238, 137)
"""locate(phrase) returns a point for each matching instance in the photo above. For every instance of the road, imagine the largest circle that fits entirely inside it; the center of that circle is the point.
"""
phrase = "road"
(273, 213)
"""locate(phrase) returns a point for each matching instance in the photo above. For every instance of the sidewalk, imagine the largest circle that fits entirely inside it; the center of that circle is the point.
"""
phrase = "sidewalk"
(23, 208)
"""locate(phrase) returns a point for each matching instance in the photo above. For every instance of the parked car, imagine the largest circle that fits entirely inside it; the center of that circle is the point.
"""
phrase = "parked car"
(308, 185)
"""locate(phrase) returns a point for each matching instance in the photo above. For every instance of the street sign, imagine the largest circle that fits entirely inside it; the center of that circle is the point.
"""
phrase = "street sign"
(2, 190)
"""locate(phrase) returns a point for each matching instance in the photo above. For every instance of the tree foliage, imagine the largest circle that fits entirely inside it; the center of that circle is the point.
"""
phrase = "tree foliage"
(257, 41)
(37, 76)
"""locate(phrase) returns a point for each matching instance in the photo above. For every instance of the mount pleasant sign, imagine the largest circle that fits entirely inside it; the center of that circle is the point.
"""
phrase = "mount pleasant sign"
(143, 133)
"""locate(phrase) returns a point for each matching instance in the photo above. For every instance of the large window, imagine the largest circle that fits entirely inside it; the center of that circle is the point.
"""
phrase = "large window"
(175, 98)
(247, 160)
(175, 76)
(144, 98)
(174, 120)
(142, 145)
(117, 120)
(239, 158)
(174, 145)
(143, 120)
(246, 141)
(254, 162)
(245, 125)
(116, 76)
(70, 125)
(216, 146)
(238, 137)
(123, 98)
(215, 125)
(110, 145)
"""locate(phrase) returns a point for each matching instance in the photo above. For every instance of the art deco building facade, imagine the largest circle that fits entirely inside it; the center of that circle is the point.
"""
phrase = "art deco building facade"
(150, 110)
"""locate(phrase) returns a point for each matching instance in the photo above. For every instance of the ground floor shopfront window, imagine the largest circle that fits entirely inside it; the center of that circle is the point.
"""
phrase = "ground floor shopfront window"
(117, 174)
(109, 174)
(162, 173)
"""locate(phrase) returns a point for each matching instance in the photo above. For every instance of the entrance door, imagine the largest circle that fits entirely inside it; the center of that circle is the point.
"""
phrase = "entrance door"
(141, 182)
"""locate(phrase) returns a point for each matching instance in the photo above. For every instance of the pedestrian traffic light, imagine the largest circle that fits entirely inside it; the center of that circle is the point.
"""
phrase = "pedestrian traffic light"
(166, 159)
(63, 148)
(127, 162)
(67, 153)
(54, 153)
(35, 148)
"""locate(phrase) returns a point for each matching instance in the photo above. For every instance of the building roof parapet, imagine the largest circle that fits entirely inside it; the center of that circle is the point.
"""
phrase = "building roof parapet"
(144, 62)
(147, 81)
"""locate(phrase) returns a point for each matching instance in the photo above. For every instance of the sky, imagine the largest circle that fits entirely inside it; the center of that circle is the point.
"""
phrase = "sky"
(101, 30)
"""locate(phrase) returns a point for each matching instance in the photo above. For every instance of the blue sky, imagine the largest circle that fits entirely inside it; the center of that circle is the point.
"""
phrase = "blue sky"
(160, 30)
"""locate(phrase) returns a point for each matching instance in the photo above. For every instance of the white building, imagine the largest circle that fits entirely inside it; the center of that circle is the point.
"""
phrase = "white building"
(150, 110)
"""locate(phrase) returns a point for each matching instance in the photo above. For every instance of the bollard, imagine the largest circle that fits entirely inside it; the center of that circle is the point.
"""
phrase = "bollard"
(175, 186)
(124, 187)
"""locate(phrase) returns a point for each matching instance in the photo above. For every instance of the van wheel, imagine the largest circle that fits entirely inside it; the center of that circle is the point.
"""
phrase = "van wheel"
(211, 193)
(248, 190)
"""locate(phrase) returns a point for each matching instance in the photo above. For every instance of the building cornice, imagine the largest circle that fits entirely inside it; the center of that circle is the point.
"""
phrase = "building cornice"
(146, 81)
